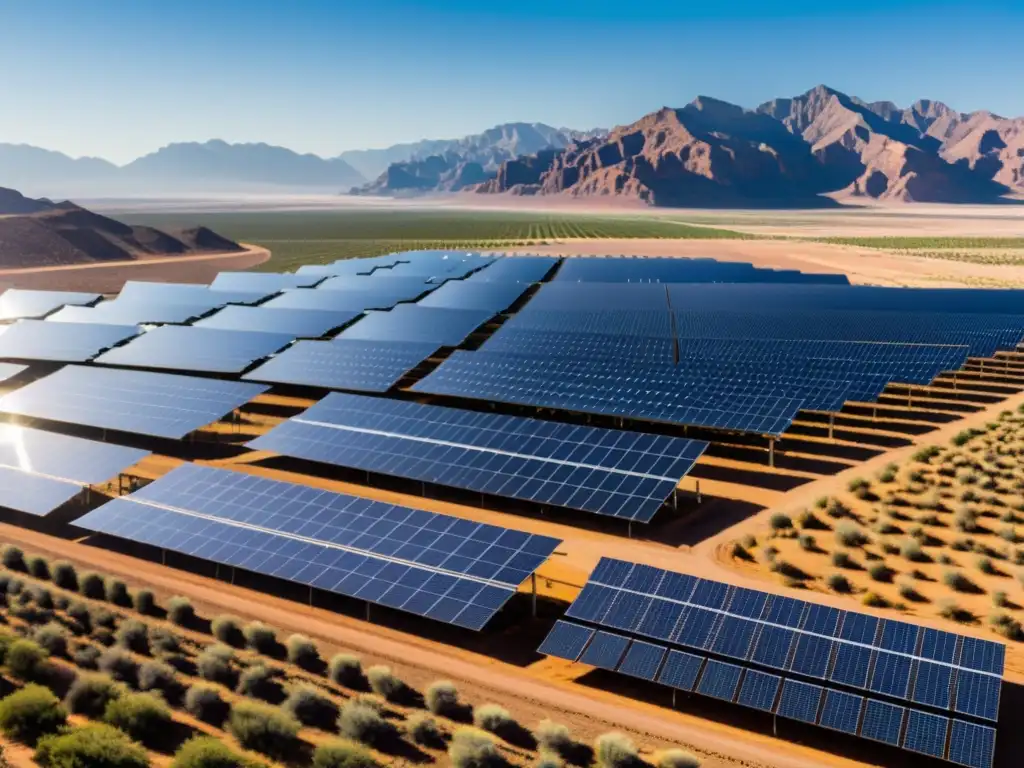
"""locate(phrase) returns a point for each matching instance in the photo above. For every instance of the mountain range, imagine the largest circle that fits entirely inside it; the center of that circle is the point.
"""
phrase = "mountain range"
(41, 233)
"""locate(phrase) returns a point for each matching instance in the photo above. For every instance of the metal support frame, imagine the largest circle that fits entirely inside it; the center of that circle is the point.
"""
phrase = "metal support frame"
(771, 452)
(700, 499)
(831, 426)
(533, 594)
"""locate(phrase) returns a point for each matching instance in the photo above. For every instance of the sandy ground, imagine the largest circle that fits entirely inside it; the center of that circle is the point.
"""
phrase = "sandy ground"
(863, 265)
(108, 277)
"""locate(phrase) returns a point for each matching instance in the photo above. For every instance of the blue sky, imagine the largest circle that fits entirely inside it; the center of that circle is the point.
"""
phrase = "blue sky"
(119, 78)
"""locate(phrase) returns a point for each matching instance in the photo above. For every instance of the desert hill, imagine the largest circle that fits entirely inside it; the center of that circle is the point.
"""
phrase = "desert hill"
(40, 233)
(793, 151)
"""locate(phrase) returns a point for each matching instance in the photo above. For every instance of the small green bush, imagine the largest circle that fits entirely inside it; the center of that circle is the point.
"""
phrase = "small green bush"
(259, 682)
(91, 692)
(91, 585)
(442, 698)
(874, 600)
(263, 728)
(555, 738)
(342, 754)
(780, 522)
(425, 730)
(310, 707)
(303, 653)
(838, 583)
(677, 758)
(13, 558)
(133, 636)
(808, 543)
(145, 602)
(205, 703)
(1000, 599)
(471, 748)
(364, 723)
(957, 581)
(90, 746)
(925, 454)
(842, 559)
(116, 592)
(384, 683)
(908, 591)
(180, 611)
(208, 752)
(157, 676)
(38, 567)
(613, 750)
(496, 719)
(52, 638)
(886, 475)
(119, 664)
(851, 535)
(911, 550)
(261, 638)
(216, 664)
(25, 660)
(31, 713)
(345, 669)
(86, 657)
(144, 717)
(985, 565)
(228, 629)
(164, 641)
(65, 575)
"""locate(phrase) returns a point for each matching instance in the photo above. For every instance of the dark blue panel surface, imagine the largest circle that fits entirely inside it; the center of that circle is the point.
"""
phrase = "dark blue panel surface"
(882, 722)
(926, 733)
(899, 636)
(851, 665)
(55, 342)
(759, 690)
(494, 297)
(773, 647)
(734, 637)
(566, 640)
(132, 312)
(982, 655)
(719, 680)
(680, 670)
(939, 646)
(413, 322)
(300, 323)
(157, 404)
(64, 457)
(891, 674)
(642, 660)
(972, 745)
(142, 291)
(34, 494)
(841, 711)
(800, 701)
(261, 282)
(978, 694)
(521, 269)
(812, 656)
(605, 650)
(932, 684)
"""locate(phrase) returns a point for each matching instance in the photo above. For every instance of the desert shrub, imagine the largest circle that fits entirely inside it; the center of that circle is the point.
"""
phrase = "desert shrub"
(180, 611)
(103, 636)
(808, 543)
(930, 519)
(926, 453)
(964, 436)
(1007, 626)
(86, 656)
(957, 581)
(789, 570)
(364, 723)
(91, 692)
(204, 702)
(91, 585)
(911, 550)
(874, 600)
(780, 522)
(677, 758)
(303, 653)
(886, 528)
(471, 748)
(53, 638)
(966, 520)
(1009, 533)
(908, 590)
(555, 738)
(208, 752)
(385, 683)
(216, 664)
(31, 713)
(931, 500)
(425, 730)
(119, 664)
(157, 676)
(985, 565)
(838, 583)
(13, 558)
(836, 509)
(79, 613)
(749, 541)
(497, 720)
(91, 746)
(850, 535)
(1018, 557)
(143, 716)
(342, 754)
(614, 750)
(163, 641)
(740, 552)
(133, 635)
(259, 682)
(1000, 599)
(25, 660)
(263, 728)
(145, 602)
(101, 617)
(962, 545)
(116, 592)
(879, 571)
(310, 707)
(38, 567)
(228, 630)
(842, 559)
(346, 670)
(856, 484)
(886, 475)
(442, 698)
(260, 638)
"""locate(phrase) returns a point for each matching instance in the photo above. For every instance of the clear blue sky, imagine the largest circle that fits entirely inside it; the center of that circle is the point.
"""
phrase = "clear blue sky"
(119, 78)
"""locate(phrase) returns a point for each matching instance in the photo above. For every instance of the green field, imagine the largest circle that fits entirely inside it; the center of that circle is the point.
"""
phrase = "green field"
(926, 243)
(312, 237)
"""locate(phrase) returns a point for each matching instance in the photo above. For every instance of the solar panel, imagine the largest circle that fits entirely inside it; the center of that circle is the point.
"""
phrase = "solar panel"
(23, 303)
(972, 745)
(64, 457)
(926, 733)
(649, 269)
(719, 680)
(759, 690)
(522, 269)
(261, 282)
(608, 472)
(330, 300)
(10, 370)
(450, 569)
(978, 694)
(605, 650)
(412, 322)
(157, 404)
(559, 344)
(882, 722)
(43, 340)
(185, 348)
(187, 293)
(800, 701)
(680, 670)
(566, 640)
(382, 289)
(299, 323)
(642, 660)
(34, 494)
(841, 711)
(367, 366)
(982, 655)
(493, 297)
(130, 312)
(932, 684)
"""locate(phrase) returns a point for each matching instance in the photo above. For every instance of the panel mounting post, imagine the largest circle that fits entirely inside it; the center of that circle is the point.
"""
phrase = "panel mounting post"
(629, 529)
(533, 594)
(311, 596)
(771, 452)
(699, 498)
(367, 610)
(831, 426)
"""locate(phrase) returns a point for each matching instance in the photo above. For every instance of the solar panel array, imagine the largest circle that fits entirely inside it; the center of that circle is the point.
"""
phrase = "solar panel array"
(299, 323)
(43, 340)
(18, 303)
(40, 471)
(355, 364)
(620, 474)
(872, 676)
(445, 568)
(131, 312)
(188, 293)
(517, 269)
(412, 322)
(261, 282)
(140, 402)
(609, 269)
(494, 297)
(185, 348)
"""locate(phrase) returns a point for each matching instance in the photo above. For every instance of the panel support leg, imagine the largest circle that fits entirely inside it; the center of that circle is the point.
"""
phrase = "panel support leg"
(163, 557)
(533, 595)
(311, 597)
(675, 498)
(673, 698)
(629, 529)
(700, 499)
(775, 724)
(232, 575)
(831, 426)
(367, 610)
(771, 452)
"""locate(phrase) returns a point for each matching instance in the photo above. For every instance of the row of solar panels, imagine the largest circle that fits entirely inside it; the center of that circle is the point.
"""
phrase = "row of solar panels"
(750, 647)
(442, 567)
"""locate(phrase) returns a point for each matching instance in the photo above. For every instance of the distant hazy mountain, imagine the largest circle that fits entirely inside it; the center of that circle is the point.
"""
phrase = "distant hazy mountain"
(214, 166)
(791, 151)
(453, 164)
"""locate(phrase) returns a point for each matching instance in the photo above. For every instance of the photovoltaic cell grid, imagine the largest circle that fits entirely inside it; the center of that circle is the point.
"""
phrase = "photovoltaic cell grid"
(299, 323)
(644, 392)
(450, 569)
(518, 269)
(186, 348)
(363, 366)
(43, 340)
(130, 312)
(676, 270)
(899, 660)
(560, 344)
(413, 322)
(493, 297)
(40, 470)
(18, 303)
(608, 472)
(187, 293)
(141, 402)
(261, 282)
(349, 266)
